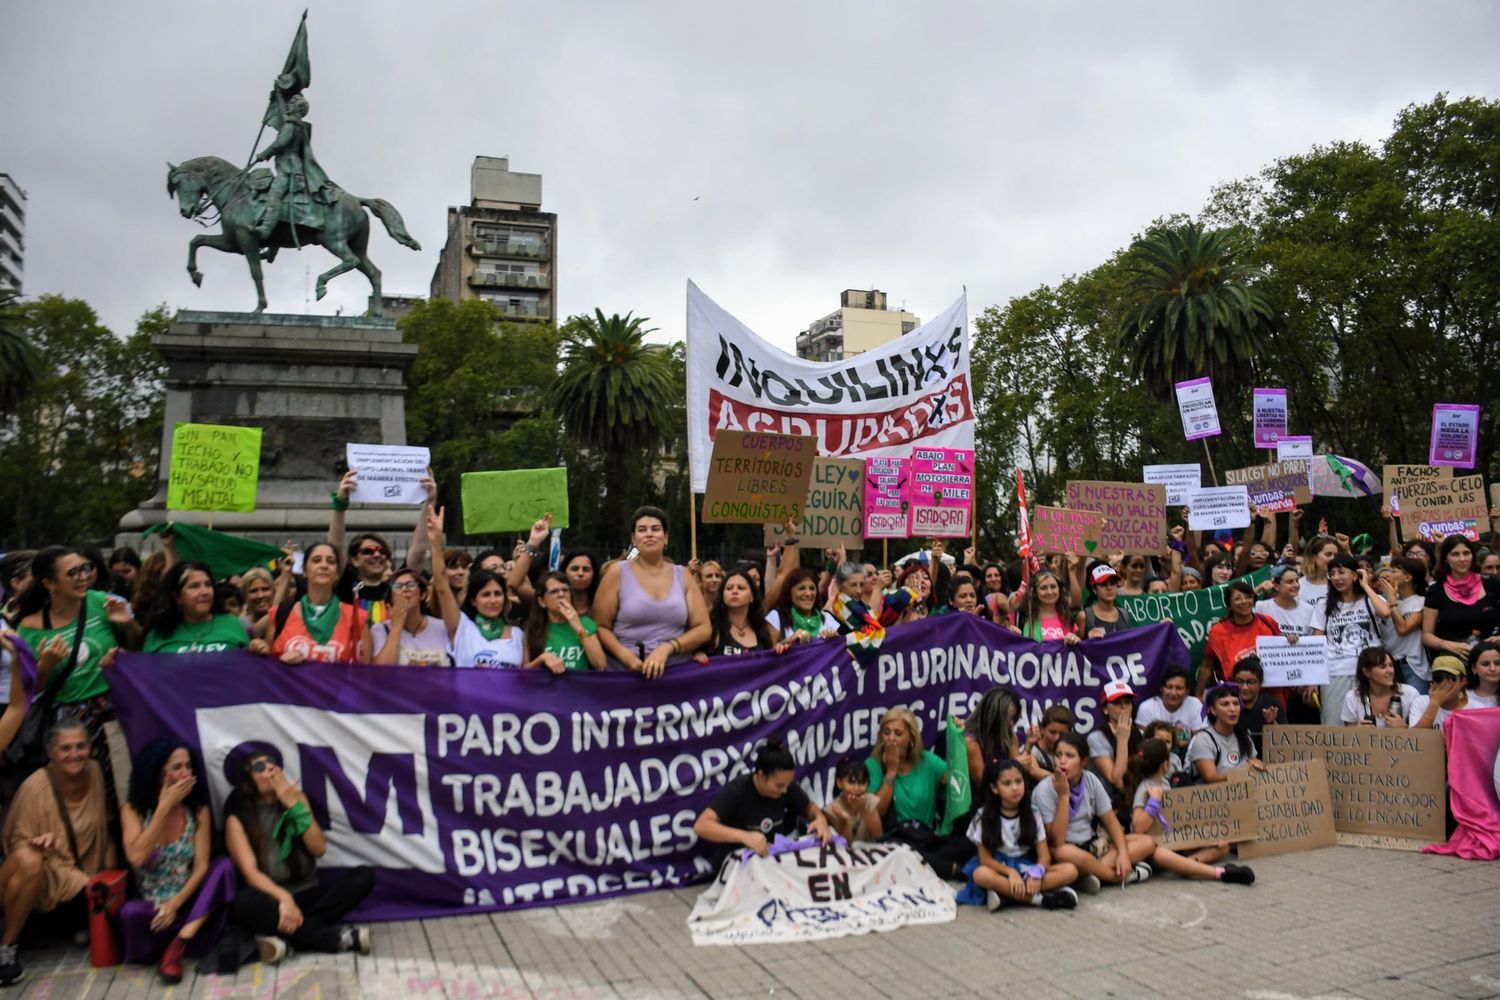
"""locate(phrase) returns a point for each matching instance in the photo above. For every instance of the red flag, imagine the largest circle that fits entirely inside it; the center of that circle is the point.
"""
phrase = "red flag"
(1023, 533)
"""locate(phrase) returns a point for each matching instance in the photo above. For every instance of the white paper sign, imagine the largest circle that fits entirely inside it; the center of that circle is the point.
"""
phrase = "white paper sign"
(1180, 480)
(388, 474)
(1270, 416)
(1292, 664)
(1294, 446)
(1218, 507)
(1200, 415)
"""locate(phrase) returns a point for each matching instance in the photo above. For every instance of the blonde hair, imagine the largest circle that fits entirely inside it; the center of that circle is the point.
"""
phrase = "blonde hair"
(906, 717)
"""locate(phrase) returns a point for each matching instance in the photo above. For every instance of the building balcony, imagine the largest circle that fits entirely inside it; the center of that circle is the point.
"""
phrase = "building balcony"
(504, 248)
(502, 279)
(539, 311)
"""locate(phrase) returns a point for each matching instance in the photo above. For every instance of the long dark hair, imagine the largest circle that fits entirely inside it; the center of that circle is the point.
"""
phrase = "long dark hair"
(989, 808)
(1414, 569)
(990, 724)
(1369, 658)
(787, 584)
(537, 622)
(755, 615)
(1341, 561)
(773, 756)
(1242, 727)
(1451, 542)
(571, 554)
(1153, 754)
(1033, 606)
(165, 614)
(478, 579)
(242, 804)
(145, 776)
(43, 568)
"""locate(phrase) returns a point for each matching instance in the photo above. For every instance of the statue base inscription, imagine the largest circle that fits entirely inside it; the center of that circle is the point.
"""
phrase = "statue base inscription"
(313, 384)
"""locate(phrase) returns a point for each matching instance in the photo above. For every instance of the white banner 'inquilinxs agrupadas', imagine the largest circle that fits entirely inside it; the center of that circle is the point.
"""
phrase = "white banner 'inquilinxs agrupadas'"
(820, 891)
(914, 390)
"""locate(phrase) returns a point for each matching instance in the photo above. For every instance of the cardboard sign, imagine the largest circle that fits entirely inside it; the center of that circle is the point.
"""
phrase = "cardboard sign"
(511, 500)
(1455, 435)
(388, 473)
(758, 478)
(835, 513)
(1296, 446)
(1270, 416)
(1180, 480)
(1070, 532)
(1278, 486)
(1200, 815)
(1293, 664)
(1386, 782)
(1195, 402)
(1396, 476)
(1293, 809)
(942, 492)
(1435, 501)
(214, 467)
(885, 497)
(1135, 514)
(1219, 507)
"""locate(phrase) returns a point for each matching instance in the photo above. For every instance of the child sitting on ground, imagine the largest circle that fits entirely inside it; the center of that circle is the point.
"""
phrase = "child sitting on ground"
(1146, 781)
(1041, 741)
(1177, 769)
(1014, 864)
(854, 813)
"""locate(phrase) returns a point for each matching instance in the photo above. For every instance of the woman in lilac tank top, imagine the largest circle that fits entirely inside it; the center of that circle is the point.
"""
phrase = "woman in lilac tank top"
(649, 612)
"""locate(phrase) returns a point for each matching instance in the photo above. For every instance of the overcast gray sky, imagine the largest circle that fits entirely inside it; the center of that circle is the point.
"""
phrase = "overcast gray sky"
(913, 147)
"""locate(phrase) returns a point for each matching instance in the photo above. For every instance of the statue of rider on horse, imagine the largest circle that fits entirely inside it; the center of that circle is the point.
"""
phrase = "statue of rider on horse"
(296, 206)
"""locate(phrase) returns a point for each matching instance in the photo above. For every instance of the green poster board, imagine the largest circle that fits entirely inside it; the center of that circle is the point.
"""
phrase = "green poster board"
(214, 467)
(513, 499)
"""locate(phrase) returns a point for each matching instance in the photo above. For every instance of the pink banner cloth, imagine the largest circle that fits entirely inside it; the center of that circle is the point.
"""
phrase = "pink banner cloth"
(1473, 741)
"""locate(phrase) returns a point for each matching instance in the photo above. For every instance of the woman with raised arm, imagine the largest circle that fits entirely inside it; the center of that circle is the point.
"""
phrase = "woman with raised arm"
(318, 627)
(479, 632)
(649, 612)
(1354, 611)
(578, 565)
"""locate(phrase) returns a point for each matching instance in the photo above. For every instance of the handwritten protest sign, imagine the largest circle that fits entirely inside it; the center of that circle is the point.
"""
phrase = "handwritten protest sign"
(1289, 664)
(1386, 782)
(1191, 612)
(1277, 486)
(1180, 480)
(835, 511)
(885, 497)
(1071, 532)
(1455, 435)
(942, 492)
(1218, 507)
(1439, 501)
(1200, 815)
(1396, 476)
(1135, 514)
(1293, 809)
(1195, 402)
(387, 473)
(758, 478)
(215, 467)
(1270, 412)
(511, 500)
(1294, 446)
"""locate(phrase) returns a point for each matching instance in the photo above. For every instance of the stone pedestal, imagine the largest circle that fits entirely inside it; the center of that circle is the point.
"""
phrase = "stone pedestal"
(313, 384)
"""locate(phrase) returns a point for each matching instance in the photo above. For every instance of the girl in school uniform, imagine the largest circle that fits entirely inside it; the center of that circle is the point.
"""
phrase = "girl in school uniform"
(1014, 864)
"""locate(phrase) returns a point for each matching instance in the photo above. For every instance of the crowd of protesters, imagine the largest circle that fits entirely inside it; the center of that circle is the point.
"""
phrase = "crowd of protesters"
(1412, 638)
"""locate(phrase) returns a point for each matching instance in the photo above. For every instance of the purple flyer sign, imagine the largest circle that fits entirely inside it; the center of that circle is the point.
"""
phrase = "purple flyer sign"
(1455, 435)
(1200, 414)
(1270, 417)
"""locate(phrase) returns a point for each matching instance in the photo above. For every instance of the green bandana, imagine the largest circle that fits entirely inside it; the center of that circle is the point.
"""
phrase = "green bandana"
(321, 625)
(812, 623)
(293, 823)
(490, 629)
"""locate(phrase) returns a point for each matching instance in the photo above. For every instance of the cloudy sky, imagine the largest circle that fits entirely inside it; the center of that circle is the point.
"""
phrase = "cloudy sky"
(774, 152)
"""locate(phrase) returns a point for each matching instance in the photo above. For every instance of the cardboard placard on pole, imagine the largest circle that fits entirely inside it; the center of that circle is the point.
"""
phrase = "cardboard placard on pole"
(1200, 815)
(1278, 487)
(1455, 435)
(1195, 403)
(1396, 476)
(1269, 410)
(1070, 532)
(835, 512)
(1135, 514)
(941, 494)
(1443, 501)
(1386, 782)
(758, 478)
(1293, 809)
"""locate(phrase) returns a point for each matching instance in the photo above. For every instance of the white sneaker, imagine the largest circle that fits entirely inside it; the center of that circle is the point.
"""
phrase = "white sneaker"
(271, 949)
(992, 900)
(1140, 873)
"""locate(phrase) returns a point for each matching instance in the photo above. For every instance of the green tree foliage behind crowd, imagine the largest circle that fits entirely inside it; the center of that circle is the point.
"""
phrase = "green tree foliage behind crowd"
(1382, 265)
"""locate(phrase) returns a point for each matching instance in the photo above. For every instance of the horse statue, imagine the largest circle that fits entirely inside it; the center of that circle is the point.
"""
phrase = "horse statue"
(240, 196)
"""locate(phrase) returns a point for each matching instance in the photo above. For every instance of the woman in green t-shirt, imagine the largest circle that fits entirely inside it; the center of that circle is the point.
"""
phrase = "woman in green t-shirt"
(47, 618)
(188, 616)
(909, 782)
(557, 636)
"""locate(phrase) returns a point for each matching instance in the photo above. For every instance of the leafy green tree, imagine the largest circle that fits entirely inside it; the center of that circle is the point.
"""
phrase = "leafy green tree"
(82, 448)
(613, 396)
(18, 363)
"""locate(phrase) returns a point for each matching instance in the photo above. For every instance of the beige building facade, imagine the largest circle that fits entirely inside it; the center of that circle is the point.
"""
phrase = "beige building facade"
(862, 323)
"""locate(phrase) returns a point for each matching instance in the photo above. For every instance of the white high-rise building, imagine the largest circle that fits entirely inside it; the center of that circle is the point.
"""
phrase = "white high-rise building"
(12, 233)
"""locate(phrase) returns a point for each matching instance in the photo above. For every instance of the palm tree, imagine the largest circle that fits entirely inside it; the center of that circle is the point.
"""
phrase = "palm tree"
(613, 396)
(1193, 311)
(19, 369)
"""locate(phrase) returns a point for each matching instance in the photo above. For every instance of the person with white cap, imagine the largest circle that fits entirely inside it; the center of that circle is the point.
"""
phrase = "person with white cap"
(1103, 617)
(1110, 751)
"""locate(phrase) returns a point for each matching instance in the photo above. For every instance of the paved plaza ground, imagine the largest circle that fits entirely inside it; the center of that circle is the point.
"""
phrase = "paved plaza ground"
(1342, 922)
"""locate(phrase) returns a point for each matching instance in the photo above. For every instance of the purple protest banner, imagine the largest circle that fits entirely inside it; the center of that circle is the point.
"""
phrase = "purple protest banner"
(1455, 435)
(474, 790)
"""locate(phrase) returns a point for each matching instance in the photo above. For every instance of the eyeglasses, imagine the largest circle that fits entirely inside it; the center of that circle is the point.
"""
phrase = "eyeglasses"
(406, 585)
(77, 572)
(259, 767)
(382, 553)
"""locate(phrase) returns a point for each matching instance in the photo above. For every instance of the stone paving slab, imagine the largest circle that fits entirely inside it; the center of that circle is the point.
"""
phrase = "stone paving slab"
(1346, 923)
